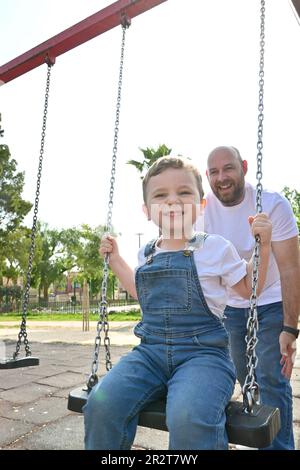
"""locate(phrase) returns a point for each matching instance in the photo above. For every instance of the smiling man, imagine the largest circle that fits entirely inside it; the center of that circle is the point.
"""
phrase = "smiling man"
(228, 207)
(226, 174)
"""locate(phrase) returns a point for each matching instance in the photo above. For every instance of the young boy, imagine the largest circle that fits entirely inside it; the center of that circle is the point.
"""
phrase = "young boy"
(181, 285)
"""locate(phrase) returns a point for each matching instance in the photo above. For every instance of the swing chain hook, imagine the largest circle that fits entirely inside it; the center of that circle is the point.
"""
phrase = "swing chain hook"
(25, 299)
(125, 21)
(103, 324)
(250, 390)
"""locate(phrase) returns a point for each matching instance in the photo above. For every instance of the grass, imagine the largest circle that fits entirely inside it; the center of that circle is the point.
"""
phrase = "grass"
(132, 315)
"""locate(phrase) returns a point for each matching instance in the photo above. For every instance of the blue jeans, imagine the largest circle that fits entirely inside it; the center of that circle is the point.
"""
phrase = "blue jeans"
(198, 380)
(183, 355)
(275, 389)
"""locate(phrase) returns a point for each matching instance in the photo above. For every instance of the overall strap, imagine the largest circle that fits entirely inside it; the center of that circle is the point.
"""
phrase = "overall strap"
(149, 248)
(197, 241)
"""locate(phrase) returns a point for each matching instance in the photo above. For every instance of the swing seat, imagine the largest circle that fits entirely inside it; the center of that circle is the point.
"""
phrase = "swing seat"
(17, 363)
(257, 429)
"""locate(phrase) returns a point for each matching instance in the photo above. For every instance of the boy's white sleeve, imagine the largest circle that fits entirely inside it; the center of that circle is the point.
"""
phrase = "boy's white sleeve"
(233, 268)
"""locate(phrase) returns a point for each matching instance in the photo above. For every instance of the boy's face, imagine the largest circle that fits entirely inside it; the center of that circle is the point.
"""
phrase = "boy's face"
(173, 202)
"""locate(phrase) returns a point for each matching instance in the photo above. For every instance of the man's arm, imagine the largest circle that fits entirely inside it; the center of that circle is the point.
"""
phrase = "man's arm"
(287, 257)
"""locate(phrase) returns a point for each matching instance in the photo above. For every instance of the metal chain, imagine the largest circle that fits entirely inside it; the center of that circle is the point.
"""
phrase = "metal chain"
(103, 325)
(25, 300)
(1, 130)
(251, 394)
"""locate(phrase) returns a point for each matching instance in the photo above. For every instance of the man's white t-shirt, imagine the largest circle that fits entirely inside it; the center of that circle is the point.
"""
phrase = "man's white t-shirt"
(218, 266)
(232, 223)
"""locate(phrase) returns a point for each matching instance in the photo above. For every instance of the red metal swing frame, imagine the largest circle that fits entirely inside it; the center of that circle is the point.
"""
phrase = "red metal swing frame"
(94, 25)
(78, 34)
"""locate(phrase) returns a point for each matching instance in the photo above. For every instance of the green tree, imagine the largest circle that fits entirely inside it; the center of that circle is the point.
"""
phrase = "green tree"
(55, 258)
(294, 197)
(10, 297)
(150, 156)
(1, 130)
(12, 207)
(73, 249)
(16, 254)
(88, 261)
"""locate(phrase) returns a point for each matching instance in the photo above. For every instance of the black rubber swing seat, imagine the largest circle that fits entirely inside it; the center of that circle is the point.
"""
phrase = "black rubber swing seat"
(17, 363)
(256, 429)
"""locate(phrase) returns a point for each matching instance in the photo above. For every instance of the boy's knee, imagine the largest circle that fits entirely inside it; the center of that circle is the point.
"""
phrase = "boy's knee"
(181, 419)
(196, 429)
(97, 403)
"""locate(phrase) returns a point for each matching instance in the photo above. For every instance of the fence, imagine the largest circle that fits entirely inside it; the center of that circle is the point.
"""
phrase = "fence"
(63, 307)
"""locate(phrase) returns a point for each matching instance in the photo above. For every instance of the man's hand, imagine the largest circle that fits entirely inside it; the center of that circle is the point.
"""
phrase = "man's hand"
(287, 343)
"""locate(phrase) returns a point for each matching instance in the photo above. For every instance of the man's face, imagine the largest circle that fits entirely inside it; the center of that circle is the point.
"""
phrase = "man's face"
(225, 174)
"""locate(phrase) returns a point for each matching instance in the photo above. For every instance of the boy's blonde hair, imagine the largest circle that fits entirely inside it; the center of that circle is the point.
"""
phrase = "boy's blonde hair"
(179, 163)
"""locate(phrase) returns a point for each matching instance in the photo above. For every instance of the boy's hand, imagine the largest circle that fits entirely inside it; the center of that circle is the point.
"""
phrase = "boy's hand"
(108, 245)
(261, 225)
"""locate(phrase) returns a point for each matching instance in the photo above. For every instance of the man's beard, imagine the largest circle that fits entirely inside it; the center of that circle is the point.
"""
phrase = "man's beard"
(235, 194)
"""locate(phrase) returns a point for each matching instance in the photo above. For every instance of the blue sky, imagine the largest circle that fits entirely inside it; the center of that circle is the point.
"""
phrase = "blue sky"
(190, 81)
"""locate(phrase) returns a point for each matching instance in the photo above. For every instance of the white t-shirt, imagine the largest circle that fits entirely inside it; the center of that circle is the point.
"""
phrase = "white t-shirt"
(232, 223)
(218, 266)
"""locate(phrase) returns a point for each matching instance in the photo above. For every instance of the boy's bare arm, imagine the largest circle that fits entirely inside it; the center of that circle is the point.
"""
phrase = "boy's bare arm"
(244, 287)
(118, 265)
(125, 275)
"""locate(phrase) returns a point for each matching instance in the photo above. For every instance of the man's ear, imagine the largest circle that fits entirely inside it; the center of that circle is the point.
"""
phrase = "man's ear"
(245, 166)
(146, 212)
(200, 208)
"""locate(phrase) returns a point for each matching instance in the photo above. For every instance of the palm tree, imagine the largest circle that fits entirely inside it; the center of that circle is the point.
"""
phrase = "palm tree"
(150, 156)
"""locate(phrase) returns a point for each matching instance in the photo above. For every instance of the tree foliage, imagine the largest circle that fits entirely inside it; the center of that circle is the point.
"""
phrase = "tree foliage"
(73, 249)
(150, 156)
(53, 260)
(16, 253)
(57, 251)
(294, 197)
(12, 207)
(88, 261)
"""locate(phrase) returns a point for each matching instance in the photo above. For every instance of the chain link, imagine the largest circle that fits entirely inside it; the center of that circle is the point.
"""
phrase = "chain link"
(25, 300)
(103, 325)
(251, 394)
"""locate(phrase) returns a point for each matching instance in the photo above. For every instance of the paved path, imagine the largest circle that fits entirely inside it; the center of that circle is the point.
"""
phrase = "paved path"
(33, 400)
(120, 332)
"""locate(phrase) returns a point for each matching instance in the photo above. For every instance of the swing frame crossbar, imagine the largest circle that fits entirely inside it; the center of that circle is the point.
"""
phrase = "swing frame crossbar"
(296, 5)
(81, 32)
(78, 34)
(255, 429)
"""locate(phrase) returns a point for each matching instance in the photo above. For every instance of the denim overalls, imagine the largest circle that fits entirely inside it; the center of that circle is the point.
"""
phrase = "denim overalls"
(183, 354)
